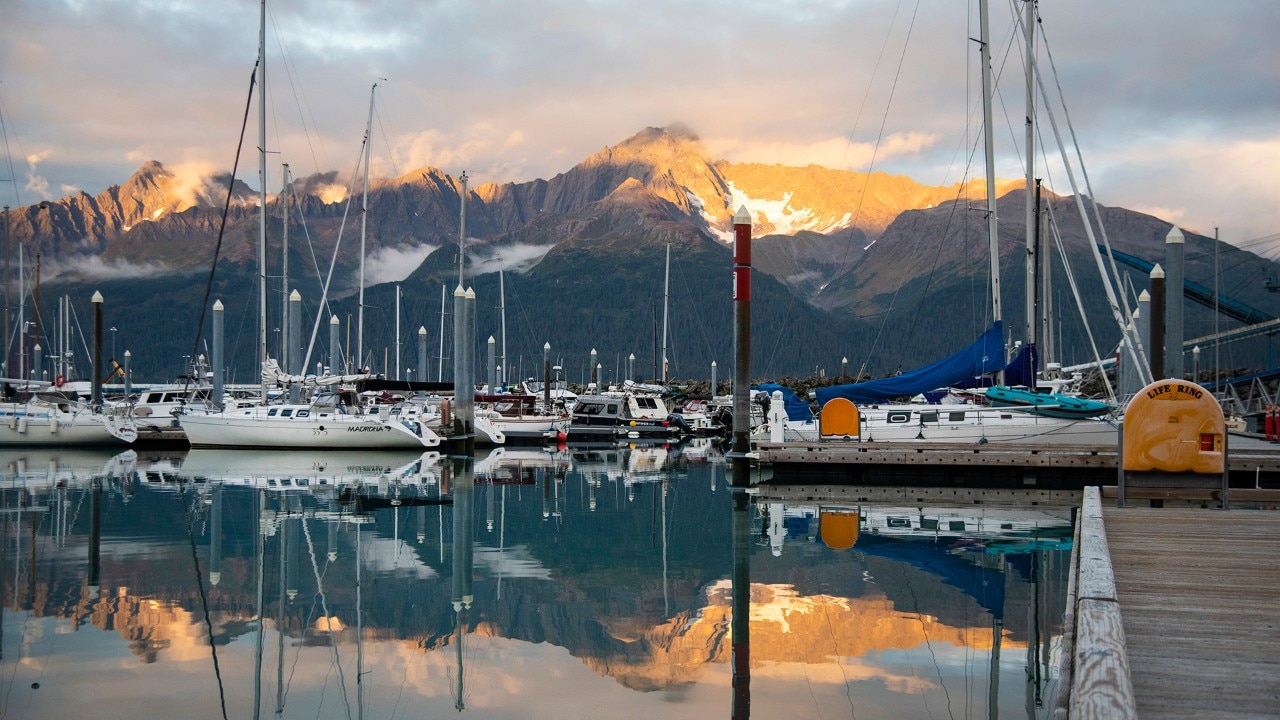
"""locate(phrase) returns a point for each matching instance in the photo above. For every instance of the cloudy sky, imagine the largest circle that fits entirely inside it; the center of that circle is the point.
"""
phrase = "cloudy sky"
(1175, 103)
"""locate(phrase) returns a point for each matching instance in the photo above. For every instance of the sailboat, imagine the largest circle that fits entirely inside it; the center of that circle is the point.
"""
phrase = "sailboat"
(1014, 415)
(325, 422)
(49, 417)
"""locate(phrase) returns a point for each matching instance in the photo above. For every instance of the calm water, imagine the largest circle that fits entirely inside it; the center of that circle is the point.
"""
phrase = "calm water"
(529, 583)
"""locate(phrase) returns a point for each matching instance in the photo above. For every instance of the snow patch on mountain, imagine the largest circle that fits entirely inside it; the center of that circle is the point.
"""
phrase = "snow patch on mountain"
(786, 219)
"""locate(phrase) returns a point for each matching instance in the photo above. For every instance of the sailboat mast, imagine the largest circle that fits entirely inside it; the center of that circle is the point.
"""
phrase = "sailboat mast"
(1033, 288)
(364, 216)
(440, 368)
(399, 292)
(988, 139)
(286, 362)
(502, 314)
(666, 291)
(262, 183)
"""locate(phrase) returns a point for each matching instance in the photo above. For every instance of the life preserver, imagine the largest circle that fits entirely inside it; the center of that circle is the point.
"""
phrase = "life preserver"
(59, 380)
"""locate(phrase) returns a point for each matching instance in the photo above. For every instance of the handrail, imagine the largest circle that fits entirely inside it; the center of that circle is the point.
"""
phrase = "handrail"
(1095, 676)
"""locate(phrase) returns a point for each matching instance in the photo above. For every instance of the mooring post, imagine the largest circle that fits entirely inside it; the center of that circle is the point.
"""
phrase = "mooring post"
(219, 391)
(1157, 323)
(742, 347)
(97, 351)
(1174, 251)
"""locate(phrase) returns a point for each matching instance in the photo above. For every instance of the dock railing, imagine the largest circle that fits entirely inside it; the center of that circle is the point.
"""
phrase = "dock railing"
(1094, 680)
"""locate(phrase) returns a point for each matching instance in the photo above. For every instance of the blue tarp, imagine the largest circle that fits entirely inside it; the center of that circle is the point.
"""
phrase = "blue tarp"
(1022, 368)
(984, 356)
(797, 407)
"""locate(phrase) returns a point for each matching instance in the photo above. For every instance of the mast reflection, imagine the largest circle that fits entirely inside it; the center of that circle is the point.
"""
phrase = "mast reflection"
(463, 490)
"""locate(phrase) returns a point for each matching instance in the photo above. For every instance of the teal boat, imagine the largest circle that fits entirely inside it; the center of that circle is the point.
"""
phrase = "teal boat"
(1047, 404)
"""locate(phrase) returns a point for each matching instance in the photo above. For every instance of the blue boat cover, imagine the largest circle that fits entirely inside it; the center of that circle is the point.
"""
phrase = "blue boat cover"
(984, 356)
(1022, 368)
(797, 407)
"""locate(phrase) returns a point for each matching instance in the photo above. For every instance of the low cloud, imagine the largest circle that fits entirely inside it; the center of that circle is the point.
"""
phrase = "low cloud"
(395, 264)
(510, 258)
(36, 183)
(93, 267)
(487, 152)
(192, 183)
(837, 153)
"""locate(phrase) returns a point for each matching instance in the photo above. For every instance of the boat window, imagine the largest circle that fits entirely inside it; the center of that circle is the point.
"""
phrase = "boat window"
(170, 397)
(273, 412)
(646, 403)
(897, 522)
(956, 416)
(303, 413)
(287, 412)
(1006, 526)
(956, 525)
(898, 417)
(929, 417)
(613, 409)
(928, 524)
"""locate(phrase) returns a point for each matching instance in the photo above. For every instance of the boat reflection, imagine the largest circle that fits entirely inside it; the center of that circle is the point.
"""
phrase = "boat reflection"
(622, 578)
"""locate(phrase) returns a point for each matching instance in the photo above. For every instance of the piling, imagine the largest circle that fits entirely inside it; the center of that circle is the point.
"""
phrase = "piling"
(218, 362)
(422, 353)
(97, 350)
(1157, 323)
(742, 347)
(1174, 250)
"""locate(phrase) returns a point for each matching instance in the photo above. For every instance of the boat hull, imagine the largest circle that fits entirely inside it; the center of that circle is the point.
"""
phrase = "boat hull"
(251, 428)
(23, 425)
(977, 424)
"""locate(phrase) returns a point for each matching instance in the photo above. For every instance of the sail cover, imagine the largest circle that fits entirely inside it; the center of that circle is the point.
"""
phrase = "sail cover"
(984, 356)
(797, 407)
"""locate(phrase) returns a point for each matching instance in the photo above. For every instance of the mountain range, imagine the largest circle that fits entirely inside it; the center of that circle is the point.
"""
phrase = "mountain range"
(873, 270)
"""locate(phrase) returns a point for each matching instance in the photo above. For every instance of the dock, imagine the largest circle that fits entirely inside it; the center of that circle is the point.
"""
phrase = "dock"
(1250, 460)
(1174, 612)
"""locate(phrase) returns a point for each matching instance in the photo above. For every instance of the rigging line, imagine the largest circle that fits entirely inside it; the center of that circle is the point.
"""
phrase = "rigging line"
(204, 598)
(300, 103)
(324, 608)
(875, 70)
(884, 119)
(8, 156)
(1075, 291)
(962, 191)
(1138, 351)
(395, 166)
(226, 208)
(306, 233)
(333, 260)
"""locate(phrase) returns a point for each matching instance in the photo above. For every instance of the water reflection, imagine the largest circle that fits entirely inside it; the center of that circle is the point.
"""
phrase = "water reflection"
(529, 582)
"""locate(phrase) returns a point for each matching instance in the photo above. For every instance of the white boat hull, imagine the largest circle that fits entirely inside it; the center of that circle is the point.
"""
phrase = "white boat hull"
(23, 424)
(977, 424)
(531, 427)
(959, 424)
(254, 428)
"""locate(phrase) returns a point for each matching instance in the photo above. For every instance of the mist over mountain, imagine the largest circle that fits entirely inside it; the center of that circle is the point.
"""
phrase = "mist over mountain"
(875, 268)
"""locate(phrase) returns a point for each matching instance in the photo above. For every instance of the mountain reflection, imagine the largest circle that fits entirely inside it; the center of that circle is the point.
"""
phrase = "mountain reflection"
(506, 583)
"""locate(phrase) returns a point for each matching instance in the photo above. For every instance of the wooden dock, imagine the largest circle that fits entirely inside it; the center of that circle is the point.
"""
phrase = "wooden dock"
(1175, 612)
(829, 461)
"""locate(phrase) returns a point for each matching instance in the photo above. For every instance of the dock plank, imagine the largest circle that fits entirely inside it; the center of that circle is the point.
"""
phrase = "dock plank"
(1199, 593)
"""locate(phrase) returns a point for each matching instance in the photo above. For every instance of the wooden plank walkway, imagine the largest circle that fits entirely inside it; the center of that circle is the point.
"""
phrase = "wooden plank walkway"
(1244, 455)
(1199, 594)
